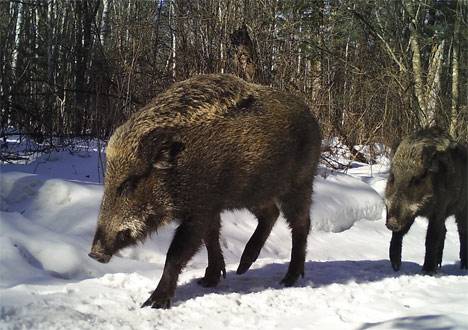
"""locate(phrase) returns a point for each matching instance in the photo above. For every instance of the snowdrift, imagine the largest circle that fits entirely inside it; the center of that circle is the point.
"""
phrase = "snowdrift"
(48, 224)
(49, 210)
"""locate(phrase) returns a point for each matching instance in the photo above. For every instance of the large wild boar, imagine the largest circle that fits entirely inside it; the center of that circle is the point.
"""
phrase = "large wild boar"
(208, 144)
(428, 178)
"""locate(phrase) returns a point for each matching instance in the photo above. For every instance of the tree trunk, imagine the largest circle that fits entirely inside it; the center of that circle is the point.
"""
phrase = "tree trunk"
(172, 26)
(417, 75)
(433, 83)
(426, 90)
(244, 55)
(105, 23)
(455, 71)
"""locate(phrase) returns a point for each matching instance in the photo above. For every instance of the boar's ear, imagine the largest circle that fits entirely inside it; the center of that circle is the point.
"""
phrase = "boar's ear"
(430, 159)
(166, 157)
(453, 151)
(161, 148)
(394, 146)
(436, 160)
(460, 150)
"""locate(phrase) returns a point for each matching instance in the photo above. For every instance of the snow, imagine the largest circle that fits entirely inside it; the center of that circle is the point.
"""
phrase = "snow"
(48, 215)
(341, 200)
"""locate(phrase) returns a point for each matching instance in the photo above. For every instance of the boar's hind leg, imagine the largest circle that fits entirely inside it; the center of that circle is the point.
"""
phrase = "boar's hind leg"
(434, 242)
(216, 266)
(266, 216)
(186, 241)
(462, 223)
(296, 208)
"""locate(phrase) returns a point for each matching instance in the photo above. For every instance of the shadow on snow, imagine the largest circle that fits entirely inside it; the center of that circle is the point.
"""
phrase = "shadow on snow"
(422, 322)
(317, 274)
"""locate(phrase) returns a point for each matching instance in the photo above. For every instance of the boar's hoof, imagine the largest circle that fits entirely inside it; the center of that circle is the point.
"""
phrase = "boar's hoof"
(291, 278)
(396, 264)
(157, 302)
(429, 272)
(212, 277)
(463, 264)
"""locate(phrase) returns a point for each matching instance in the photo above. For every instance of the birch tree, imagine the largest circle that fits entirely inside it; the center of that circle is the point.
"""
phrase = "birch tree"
(454, 108)
(426, 82)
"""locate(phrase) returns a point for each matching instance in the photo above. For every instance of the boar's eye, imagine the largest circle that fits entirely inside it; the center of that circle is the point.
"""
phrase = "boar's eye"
(127, 186)
(124, 236)
(391, 178)
(417, 180)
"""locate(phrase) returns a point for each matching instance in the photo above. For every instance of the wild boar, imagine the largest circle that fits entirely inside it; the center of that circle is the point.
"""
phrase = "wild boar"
(428, 178)
(208, 144)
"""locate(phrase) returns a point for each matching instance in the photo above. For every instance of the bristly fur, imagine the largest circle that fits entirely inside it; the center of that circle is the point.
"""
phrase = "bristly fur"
(428, 178)
(179, 106)
(208, 144)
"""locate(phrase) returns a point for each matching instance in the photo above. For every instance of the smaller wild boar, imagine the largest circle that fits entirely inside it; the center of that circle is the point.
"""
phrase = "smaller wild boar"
(208, 144)
(428, 178)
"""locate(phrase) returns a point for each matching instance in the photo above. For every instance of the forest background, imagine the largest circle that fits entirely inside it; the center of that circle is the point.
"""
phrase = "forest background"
(371, 71)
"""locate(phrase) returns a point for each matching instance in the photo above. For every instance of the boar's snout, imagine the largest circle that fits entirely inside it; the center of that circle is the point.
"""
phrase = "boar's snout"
(393, 224)
(102, 258)
(98, 252)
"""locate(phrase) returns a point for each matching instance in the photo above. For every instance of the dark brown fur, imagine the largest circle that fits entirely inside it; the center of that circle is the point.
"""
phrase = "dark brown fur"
(208, 144)
(428, 178)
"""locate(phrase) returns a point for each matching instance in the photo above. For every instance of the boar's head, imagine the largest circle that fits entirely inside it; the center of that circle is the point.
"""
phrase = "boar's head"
(137, 190)
(412, 184)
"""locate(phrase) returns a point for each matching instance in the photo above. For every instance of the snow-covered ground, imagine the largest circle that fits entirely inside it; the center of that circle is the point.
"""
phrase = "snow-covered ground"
(47, 281)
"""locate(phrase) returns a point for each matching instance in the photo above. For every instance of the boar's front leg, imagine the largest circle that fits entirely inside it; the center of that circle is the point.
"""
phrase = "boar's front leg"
(216, 266)
(434, 240)
(440, 252)
(186, 242)
(462, 224)
(395, 246)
